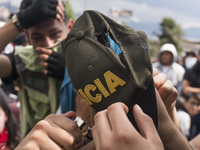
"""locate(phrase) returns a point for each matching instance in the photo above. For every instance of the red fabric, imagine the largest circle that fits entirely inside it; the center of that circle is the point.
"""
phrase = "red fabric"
(3, 139)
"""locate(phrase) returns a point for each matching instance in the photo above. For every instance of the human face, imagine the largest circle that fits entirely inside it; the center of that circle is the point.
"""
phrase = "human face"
(192, 106)
(47, 32)
(3, 119)
(166, 58)
(198, 57)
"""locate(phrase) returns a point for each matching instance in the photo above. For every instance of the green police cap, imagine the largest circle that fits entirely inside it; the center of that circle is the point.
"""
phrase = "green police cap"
(102, 77)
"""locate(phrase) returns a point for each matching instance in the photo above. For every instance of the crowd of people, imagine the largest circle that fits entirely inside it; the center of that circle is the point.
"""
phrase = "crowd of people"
(185, 79)
(40, 112)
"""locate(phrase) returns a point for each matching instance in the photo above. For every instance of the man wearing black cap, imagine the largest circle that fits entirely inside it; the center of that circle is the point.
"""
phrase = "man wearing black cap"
(37, 69)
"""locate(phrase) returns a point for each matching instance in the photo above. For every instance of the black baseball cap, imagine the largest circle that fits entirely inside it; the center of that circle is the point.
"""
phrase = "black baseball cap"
(100, 75)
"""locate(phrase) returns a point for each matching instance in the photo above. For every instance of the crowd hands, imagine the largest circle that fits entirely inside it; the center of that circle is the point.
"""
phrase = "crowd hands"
(61, 132)
(184, 74)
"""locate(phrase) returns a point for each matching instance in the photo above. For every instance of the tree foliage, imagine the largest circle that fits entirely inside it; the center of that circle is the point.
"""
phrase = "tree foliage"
(69, 11)
(171, 33)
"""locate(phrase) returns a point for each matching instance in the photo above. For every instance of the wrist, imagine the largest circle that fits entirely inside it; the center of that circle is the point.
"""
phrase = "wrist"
(16, 22)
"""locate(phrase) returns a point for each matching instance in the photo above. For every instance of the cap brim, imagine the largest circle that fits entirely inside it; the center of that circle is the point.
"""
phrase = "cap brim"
(148, 104)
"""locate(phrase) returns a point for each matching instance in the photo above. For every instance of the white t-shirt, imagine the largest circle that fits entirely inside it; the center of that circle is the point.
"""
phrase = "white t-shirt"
(165, 69)
(185, 122)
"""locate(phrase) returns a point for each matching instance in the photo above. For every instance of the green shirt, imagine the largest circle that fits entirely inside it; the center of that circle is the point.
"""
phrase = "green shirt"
(38, 94)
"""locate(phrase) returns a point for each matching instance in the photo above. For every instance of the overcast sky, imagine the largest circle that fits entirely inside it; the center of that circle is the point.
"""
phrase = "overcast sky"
(184, 12)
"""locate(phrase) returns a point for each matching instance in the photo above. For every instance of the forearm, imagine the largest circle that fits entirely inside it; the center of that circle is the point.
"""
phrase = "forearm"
(189, 89)
(173, 115)
(171, 137)
(195, 142)
(8, 33)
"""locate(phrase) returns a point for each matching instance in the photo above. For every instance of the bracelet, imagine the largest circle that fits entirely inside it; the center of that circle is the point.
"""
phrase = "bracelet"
(191, 147)
(16, 23)
(88, 136)
(18, 26)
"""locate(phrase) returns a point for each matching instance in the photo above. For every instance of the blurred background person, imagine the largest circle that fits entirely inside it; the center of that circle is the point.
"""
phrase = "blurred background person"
(189, 108)
(37, 69)
(189, 59)
(167, 58)
(195, 120)
(191, 80)
(10, 135)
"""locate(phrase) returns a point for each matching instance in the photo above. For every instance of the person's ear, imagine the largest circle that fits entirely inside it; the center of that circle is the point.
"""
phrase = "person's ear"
(27, 36)
(70, 24)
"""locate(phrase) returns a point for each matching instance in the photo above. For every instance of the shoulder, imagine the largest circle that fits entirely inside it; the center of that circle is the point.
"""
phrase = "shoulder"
(182, 113)
(178, 67)
(183, 117)
(192, 69)
(10, 55)
(155, 64)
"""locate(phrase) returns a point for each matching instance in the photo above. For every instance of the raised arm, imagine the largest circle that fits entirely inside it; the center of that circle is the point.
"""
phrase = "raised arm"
(8, 33)
(26, 18)
(168, 94)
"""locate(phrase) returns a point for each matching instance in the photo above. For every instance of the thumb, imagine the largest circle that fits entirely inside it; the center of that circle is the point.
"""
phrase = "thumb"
(69, 114)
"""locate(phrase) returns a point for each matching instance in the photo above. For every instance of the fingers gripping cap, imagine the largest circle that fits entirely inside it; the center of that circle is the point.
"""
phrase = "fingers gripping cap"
(101, 76)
